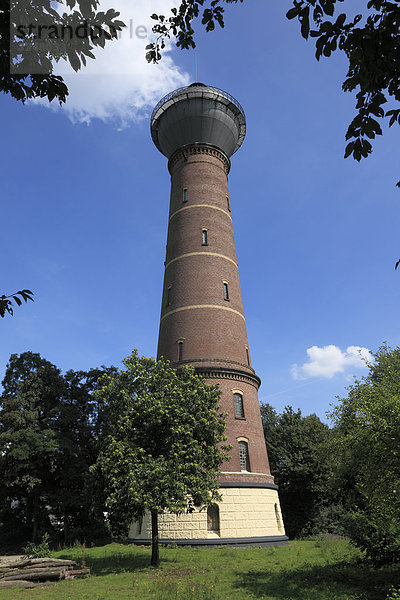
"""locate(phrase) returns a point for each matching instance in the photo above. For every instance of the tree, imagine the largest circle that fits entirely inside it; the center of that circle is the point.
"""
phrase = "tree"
(367, 451)
(6, 302)
(35, 36)
(29, 407)
(370, 41)
(297, 451)
(163, 442)
(77, 508)
(48, 441)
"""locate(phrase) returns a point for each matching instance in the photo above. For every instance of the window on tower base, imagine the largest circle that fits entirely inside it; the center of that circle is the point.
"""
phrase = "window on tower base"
(244, 456)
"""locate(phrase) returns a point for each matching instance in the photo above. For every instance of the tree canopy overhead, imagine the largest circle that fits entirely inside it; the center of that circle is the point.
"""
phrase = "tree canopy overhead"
(6, 302)
(370, 41)
(34, 37)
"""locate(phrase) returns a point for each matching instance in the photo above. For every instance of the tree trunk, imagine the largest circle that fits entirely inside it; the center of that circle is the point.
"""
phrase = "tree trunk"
(155, 556)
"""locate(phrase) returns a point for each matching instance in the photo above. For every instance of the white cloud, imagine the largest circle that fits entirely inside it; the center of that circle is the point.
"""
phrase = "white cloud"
(329, 360)
(119, 86)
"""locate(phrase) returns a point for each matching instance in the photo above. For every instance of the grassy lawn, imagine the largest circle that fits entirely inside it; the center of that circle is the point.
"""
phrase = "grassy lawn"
(303, 570)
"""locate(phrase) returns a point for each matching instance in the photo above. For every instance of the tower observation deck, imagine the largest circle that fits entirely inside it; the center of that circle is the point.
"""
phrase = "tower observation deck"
(198, 128)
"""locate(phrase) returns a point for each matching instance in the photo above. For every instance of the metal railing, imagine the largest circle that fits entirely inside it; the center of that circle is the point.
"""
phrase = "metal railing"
(187, 88)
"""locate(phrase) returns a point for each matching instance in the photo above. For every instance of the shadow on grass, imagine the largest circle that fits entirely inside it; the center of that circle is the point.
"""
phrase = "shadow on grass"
(340, 580)
(114, 563)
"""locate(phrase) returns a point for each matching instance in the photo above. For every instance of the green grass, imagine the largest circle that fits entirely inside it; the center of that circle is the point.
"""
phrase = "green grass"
(303, 570)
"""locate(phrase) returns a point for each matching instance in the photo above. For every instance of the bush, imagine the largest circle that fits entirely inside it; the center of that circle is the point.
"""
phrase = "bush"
(41, 550)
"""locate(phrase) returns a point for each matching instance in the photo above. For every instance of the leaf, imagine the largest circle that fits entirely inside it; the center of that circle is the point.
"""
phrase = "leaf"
(305, 22)
(349, 149)
(293, 12)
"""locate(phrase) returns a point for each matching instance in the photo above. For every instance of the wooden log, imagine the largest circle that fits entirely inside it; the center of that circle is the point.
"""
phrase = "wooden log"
(18, 564)
(52, 563)
(24, 584)
(77, 572)
(38, 574)
(30, 568)
(28, 562)
(44, 561)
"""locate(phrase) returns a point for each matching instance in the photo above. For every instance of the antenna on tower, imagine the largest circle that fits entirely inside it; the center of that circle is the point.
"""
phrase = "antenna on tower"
(195, 67)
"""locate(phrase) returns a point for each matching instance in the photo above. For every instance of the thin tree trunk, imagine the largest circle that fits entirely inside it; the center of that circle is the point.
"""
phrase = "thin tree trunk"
(155, 556)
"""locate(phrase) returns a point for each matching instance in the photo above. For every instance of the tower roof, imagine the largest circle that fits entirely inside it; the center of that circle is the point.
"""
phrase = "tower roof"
(198, 114)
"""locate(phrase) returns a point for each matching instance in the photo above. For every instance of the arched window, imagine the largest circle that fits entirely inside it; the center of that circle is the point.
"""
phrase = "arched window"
(228, 203)
(180, 350)
(239, 409)
(139, 526)
(278, 518)
(244, 456)
(213, 519)
(204, 237)
(185, 195)
(226, 291)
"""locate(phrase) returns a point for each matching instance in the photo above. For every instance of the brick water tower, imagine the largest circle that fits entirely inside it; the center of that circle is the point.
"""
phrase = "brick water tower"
(198, 128)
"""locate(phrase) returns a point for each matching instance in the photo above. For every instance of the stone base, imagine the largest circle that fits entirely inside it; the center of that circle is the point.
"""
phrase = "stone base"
(247, 515)
(262, 542)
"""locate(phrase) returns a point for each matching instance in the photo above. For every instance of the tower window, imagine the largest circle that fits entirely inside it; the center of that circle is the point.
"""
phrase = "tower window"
(239, 409)
(278, 519)
(139, 525)
(180, 351)
(169, 295)
(204, 237)
(244, 456)
(248, 356)
(213, 519)
(228, 203)
(226, 291)
(185, 195)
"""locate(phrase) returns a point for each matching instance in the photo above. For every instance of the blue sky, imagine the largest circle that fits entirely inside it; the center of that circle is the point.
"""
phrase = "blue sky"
(85, 205)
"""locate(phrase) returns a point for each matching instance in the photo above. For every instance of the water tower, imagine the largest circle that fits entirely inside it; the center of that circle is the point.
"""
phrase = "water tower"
(198, 128)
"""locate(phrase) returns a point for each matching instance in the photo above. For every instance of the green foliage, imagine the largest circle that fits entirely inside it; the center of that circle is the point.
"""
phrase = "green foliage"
(6, 302)
(32, 74)
(299, 461)
(370, 42)
(394, 594)
(367, 452)
(162, 431)
(48, 441)
(40, 550)
(179, 24)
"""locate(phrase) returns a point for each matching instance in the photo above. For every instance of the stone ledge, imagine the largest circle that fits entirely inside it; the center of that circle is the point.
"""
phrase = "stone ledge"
(248, 484)
(273, 540)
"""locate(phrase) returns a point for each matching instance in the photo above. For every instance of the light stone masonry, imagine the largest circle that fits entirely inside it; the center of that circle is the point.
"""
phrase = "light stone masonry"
(244, 512)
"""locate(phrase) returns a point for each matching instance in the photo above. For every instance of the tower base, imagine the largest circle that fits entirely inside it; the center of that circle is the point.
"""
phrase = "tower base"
(246, 516)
